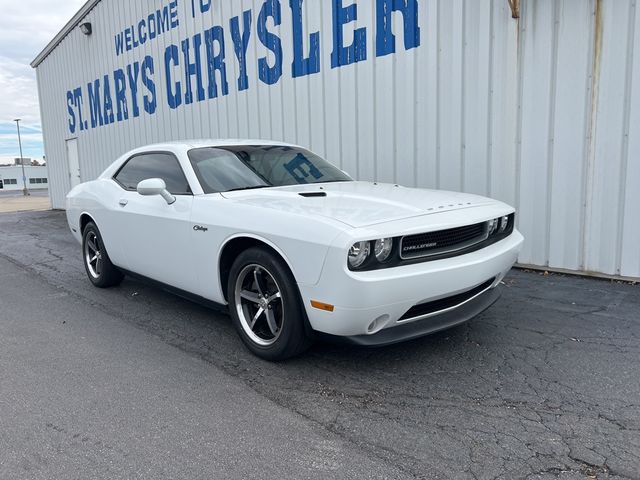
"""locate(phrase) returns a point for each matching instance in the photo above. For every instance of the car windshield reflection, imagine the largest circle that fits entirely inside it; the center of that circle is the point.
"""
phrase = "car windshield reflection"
(228, 169)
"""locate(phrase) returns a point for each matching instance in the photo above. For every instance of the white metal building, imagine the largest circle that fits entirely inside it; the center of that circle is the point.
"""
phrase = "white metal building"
(541, 111)
(11, 178)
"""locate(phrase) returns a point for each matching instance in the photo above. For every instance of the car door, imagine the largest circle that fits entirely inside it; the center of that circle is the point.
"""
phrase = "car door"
(155, 236)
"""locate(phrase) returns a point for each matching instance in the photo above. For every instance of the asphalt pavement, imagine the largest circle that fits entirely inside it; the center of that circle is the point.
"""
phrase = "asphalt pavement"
(15, 201)
(132, 382)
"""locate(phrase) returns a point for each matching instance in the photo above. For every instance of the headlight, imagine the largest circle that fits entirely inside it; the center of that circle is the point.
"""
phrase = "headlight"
(382, 249)
(504, 221)
(500, 226)
(493, 226)
(358, 254)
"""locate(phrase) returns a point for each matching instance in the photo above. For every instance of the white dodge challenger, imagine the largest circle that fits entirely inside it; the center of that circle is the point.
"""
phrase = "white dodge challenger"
(291, 244)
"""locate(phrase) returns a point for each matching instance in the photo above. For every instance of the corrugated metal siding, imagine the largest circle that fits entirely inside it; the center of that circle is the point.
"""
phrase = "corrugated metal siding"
(541, 112)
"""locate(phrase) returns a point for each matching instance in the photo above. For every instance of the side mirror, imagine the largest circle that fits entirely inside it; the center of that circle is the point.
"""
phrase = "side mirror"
(155, 186)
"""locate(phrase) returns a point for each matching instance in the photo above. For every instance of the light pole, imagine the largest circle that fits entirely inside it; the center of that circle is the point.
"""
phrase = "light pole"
(25, 191)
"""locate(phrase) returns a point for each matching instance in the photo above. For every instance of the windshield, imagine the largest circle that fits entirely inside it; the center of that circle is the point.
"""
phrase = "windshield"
(224, 169)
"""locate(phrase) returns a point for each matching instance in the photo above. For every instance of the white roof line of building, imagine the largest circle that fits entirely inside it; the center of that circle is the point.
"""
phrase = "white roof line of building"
(73, 23)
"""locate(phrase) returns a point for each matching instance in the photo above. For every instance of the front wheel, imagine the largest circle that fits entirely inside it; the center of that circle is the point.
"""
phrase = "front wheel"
(97, 263)
(265, 305)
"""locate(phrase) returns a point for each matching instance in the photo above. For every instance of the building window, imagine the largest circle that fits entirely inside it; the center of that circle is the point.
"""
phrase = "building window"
(35, 181)
(10, 181)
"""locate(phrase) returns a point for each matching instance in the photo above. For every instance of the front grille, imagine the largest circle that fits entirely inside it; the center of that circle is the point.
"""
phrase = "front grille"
(445, 303)
(443, 241)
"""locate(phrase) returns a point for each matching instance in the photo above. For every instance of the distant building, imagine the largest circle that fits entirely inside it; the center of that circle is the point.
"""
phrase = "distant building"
(23, 161)
(11, 177)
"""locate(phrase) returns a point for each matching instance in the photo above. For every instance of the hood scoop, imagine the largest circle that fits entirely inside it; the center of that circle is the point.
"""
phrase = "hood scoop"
(313, 194)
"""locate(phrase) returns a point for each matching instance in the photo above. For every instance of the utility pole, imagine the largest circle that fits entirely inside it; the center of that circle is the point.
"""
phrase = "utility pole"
(25, 191)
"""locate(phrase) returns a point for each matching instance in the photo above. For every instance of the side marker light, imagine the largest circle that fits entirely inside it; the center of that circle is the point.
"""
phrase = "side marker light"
(322, 306)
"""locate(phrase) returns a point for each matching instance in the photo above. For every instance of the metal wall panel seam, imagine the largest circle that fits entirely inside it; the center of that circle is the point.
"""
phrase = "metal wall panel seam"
(308, 82)
(490, 101)
(375, 115)
(625, 135)
(593, 126)
(394, 119)
(438, 96)
(324, 94)
(338, 120)
(588, 115)
(518, 160)
(414, 73)
(463, 98)
(357, 124)
(631, 253)
(552, 125)
(603, 230)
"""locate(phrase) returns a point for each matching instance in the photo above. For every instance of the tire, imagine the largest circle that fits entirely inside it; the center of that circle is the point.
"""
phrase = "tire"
(101, 272)
(265, 305)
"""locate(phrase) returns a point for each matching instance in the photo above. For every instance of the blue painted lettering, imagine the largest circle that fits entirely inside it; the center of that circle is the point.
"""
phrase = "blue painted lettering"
(121, 95)
(72, 113)
(95, 108)
(385, 39)
(173, 14)
(193, 69)
(303, 66)
(215, 61)
(357, 51)
(142, 32)
(133, 73)
(174, 89)
(162, 20)
(270, 75)
(240, 45)
(127, 39)
(119, 43)
(150, 101)
(151, 26)
(107, 103)
(77, 99)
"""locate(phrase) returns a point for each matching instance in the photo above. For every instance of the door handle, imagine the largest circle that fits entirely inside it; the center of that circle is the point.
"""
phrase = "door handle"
(123, 202)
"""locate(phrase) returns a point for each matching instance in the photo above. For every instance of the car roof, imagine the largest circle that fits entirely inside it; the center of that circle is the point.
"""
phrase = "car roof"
(199, 143)
(178, 146)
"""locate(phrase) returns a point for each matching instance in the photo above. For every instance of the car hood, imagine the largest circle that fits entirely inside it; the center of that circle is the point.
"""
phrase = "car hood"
(357, 204)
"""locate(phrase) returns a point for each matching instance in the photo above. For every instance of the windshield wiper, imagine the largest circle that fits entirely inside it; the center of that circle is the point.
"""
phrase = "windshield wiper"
(247, 188)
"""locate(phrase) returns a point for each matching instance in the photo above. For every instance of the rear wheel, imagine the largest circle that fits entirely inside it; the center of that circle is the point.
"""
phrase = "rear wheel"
(265, 305)
(97, 263)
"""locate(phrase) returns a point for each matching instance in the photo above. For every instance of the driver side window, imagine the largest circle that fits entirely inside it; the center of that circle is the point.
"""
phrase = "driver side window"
(153, 165)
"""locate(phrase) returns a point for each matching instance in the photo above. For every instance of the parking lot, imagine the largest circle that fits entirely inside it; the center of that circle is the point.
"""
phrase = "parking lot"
(15, 201)
(135, 383)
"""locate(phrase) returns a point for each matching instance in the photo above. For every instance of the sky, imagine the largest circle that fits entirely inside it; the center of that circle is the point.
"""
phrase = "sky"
(26, 27)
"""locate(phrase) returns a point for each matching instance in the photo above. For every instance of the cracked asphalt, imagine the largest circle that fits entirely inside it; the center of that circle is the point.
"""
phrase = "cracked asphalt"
(135, 383)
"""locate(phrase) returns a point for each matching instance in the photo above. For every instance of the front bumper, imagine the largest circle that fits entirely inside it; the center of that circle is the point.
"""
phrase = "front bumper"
(427, 326)
(367, 304)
